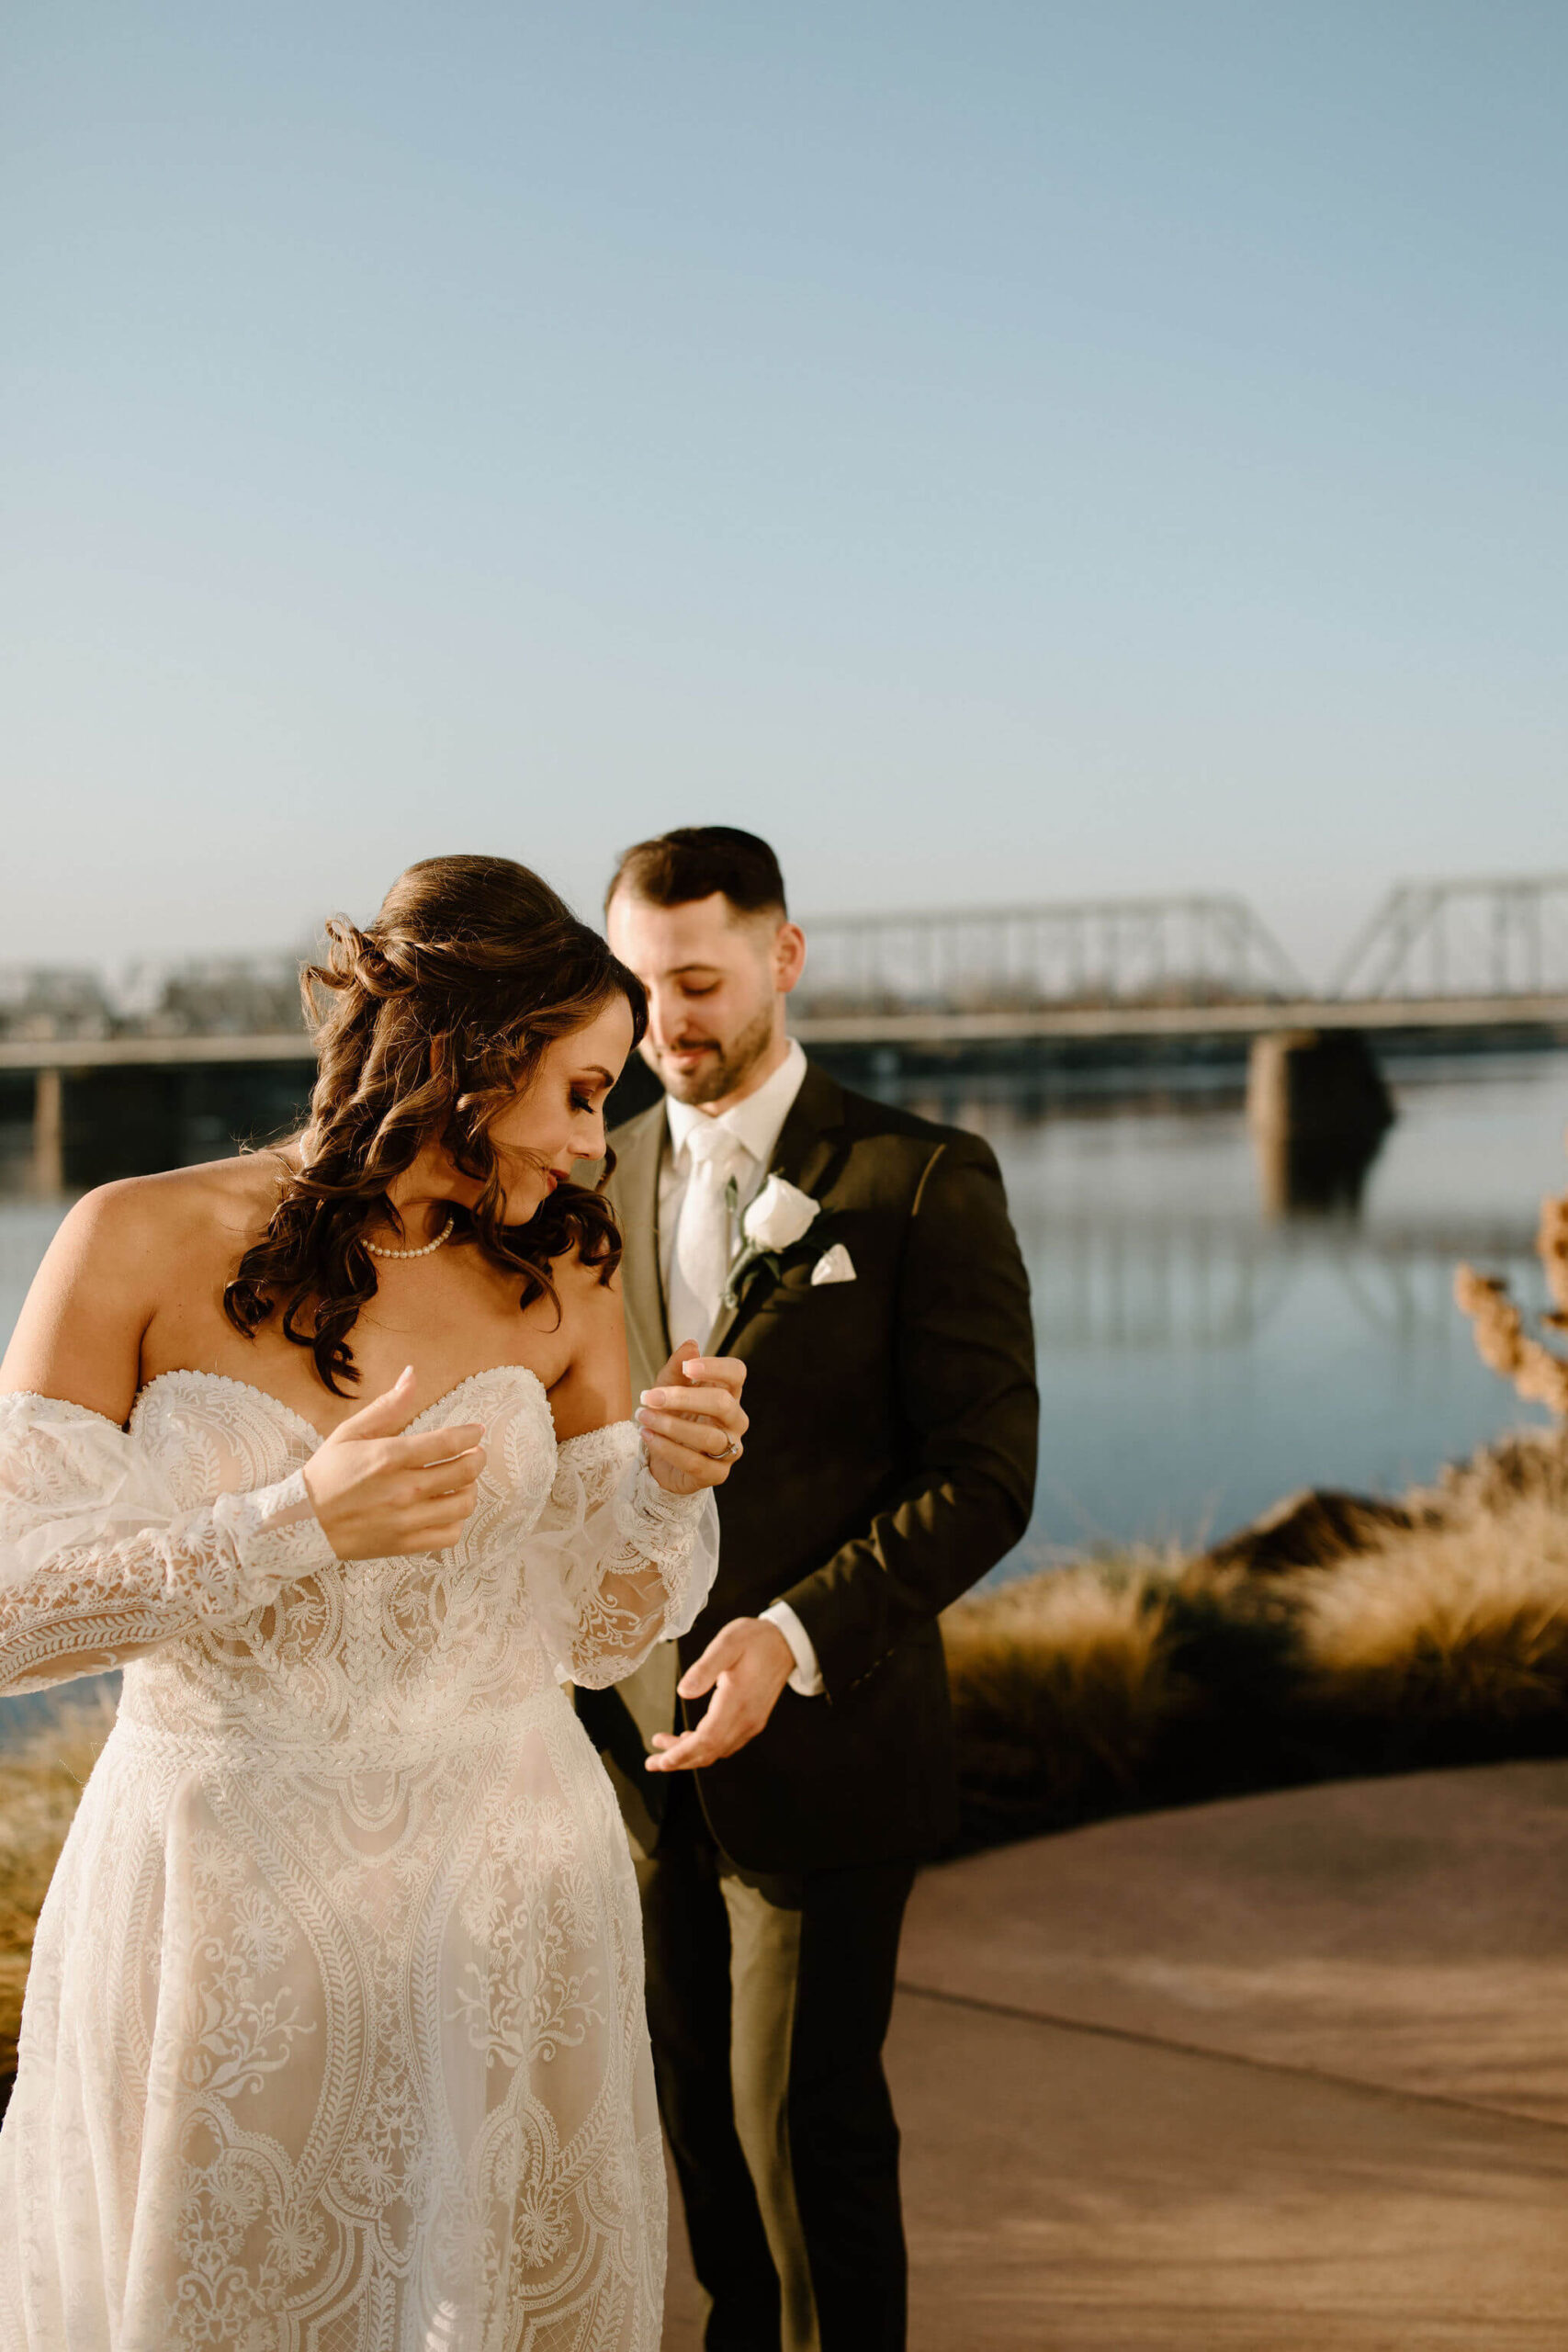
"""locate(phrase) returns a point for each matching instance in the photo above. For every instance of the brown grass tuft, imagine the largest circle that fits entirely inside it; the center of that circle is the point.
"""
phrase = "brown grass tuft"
(1526, 1465)
(1469, 1620)
(1061, 1685)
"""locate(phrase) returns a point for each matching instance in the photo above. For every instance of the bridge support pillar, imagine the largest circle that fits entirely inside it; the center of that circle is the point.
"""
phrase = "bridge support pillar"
(1318, 1108)
(49, 1134)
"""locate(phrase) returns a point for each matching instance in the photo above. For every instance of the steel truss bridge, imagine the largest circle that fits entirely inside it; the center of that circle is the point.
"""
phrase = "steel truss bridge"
(1450, 954)
(1473, 954)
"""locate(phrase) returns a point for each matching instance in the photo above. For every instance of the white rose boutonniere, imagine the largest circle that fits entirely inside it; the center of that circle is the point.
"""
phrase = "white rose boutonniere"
(775, 1220)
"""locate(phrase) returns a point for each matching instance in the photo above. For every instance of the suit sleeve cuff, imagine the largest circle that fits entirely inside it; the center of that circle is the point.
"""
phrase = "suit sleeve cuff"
(806, 1680)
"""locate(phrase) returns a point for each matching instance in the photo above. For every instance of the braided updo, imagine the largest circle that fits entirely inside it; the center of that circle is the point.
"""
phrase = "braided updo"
(428, 1023)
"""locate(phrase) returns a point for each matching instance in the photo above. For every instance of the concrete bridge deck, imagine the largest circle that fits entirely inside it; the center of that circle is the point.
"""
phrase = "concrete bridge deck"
(1092, 1023)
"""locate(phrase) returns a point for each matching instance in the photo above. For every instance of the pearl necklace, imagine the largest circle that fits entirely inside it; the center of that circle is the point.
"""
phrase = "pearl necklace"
(444, 1235)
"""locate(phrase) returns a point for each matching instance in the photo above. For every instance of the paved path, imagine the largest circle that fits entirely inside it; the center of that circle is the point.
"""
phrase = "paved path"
(1288, 2074)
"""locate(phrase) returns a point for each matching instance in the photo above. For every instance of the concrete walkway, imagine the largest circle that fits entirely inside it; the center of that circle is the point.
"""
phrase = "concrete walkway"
(1288, 2074)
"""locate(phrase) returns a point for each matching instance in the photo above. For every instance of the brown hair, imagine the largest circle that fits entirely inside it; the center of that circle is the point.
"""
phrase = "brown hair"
(694, 861)
(428, 1024)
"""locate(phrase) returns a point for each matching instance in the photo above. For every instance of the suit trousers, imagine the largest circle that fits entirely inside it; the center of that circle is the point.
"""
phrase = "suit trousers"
(768, 2001)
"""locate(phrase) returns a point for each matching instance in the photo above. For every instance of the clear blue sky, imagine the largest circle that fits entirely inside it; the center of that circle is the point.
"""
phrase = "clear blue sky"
(995, 450)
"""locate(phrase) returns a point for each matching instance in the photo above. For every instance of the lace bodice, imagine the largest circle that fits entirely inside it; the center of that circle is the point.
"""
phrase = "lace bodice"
(184, 1549)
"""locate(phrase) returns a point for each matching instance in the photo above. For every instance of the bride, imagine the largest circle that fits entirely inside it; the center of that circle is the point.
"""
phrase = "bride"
(334, 2039)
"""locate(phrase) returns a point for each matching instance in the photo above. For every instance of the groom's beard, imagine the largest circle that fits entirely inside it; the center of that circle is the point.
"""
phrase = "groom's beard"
(723, 1071)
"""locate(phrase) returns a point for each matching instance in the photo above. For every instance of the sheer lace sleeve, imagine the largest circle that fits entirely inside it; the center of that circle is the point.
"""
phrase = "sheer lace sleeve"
(613, 1563)
(98, 1564)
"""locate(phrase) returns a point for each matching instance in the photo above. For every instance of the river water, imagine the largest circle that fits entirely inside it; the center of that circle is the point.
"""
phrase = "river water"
(1200, 1356)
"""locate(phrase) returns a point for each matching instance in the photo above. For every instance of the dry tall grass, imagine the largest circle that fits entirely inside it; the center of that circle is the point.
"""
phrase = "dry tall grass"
(1466, 1621)
(1062, 1685)
(40, 1782)
(1502, 1338)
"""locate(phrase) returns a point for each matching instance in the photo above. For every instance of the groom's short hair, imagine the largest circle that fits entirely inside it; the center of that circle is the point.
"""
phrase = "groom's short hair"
(694, 861)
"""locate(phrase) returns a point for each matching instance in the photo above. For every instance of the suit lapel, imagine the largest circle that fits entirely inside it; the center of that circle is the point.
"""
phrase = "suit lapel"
(638, 1152)
(803, 1157)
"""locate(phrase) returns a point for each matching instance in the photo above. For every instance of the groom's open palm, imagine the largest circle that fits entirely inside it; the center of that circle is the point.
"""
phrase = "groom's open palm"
(746, 1666)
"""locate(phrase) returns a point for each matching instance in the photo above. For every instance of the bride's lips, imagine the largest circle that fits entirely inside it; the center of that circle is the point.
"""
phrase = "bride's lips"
(554, 1176)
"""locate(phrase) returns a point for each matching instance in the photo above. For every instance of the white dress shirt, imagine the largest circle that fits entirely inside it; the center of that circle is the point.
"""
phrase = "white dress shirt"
(756, 1125)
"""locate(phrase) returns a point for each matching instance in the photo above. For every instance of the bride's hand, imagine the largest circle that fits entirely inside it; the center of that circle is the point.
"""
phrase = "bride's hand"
(379, 1494)
(691, 1423)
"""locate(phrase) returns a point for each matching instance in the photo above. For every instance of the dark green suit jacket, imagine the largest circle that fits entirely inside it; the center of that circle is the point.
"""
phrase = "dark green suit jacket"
(890, 1463)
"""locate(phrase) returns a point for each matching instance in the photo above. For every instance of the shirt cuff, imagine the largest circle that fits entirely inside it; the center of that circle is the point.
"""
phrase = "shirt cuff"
(806, 1680)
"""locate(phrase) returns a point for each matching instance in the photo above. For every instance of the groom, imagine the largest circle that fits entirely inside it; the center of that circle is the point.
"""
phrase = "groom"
(781, 1777)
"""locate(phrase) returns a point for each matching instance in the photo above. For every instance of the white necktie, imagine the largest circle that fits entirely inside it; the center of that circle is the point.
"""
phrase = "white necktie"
(703, 1236)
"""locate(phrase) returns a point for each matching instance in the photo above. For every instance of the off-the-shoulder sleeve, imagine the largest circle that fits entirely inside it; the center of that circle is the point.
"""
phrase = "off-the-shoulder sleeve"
(613, 1563)
(98, 1562)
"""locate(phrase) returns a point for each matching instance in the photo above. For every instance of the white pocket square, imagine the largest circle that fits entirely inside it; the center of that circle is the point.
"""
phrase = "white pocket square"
(835, 1265)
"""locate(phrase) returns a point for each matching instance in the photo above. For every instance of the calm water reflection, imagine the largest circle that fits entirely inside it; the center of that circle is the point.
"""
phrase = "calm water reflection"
(1198, 1358)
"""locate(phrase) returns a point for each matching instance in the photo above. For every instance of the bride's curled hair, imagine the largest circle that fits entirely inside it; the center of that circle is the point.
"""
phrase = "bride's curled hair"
(428, 1023)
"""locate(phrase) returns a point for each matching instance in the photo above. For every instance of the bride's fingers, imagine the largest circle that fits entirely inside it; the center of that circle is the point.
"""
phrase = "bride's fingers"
(672, 1370)
(677, 1463)
(710, 1404)
(720, 1403)
(454, 1468)
(709, 1438)
(449, 1477)
(683, 1463)
(691, 1452)
(722, 1372)
(703, 1433)
(429, 1446)
(438, 1530)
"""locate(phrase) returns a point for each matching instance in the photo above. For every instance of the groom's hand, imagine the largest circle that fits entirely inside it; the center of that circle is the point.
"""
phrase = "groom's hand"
(745, 1666)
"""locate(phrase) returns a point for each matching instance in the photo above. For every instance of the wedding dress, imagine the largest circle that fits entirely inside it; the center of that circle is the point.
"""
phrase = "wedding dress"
(333, 2039)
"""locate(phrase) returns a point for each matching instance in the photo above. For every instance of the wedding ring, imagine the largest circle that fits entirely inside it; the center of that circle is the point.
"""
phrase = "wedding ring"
(731, 1450)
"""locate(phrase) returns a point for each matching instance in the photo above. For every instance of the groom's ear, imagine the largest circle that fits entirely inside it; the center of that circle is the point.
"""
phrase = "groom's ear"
(788, 958)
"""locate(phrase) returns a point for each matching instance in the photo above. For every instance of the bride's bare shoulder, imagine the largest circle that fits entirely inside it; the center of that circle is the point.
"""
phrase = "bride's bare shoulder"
(595, 1386)
(124, 1253)
(143, 1220)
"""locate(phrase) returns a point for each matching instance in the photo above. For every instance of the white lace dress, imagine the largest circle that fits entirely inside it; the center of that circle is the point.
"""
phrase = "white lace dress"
(335, 2037)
